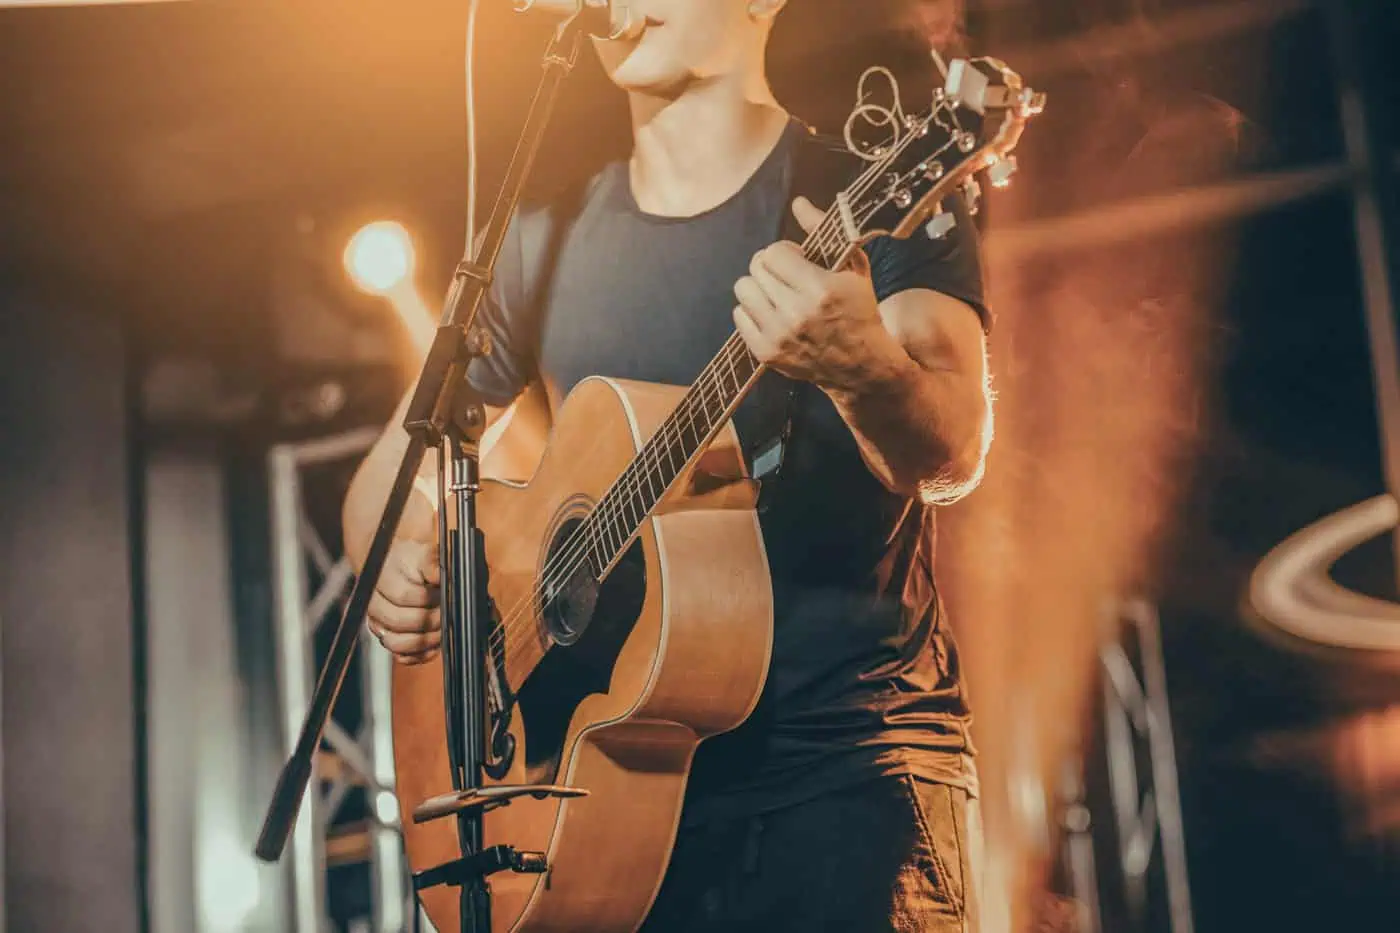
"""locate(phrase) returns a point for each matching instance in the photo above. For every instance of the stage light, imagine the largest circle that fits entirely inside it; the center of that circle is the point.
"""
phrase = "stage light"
(229, 887)
(379, 258)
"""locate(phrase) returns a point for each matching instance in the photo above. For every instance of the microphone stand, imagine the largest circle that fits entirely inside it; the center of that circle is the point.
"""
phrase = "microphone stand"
(444, 410)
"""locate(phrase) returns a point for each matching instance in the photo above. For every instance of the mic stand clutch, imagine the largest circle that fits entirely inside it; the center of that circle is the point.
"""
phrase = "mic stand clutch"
(443, 410)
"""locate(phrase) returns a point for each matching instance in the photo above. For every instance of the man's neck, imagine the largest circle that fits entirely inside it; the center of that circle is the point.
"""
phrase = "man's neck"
(693, 152)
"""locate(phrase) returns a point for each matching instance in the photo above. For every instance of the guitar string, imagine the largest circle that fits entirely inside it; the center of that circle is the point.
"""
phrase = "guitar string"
(822, 239)
(827, 235)
(631, 483)
(515, 636)
(649, 469)
(709, 392)
(823, 244)
(643, 469)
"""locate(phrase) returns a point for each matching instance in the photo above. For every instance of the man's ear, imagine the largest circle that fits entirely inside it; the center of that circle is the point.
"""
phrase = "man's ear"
(766, 9)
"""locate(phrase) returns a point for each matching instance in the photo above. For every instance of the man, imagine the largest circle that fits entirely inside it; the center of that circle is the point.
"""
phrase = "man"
(847, 801)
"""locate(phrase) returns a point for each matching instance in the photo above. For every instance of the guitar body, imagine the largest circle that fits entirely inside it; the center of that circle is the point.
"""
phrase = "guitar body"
(675, 650)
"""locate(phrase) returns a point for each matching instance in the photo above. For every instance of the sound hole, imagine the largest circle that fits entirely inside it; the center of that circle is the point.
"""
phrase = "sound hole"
(572, 599)
(589, 623)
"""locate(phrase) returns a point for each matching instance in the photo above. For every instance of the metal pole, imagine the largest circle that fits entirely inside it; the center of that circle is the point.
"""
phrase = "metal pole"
(1162, 748)
(3, 901)
(1147, 807)
(294, 681)
(367, 758)
(1077, 824)
(386, 847)
(1372, 190)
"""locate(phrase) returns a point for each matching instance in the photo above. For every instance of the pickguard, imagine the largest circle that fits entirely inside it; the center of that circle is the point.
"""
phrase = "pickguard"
(588, 623)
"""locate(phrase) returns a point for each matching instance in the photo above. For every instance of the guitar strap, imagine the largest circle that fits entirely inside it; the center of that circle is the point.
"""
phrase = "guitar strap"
(819, 169)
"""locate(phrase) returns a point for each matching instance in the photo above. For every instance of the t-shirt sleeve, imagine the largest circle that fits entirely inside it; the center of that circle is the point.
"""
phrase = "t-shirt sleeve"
(951, 264)
(506, 317)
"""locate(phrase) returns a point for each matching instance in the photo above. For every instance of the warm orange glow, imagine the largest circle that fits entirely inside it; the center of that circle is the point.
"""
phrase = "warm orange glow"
(379, 258)
(1100, 364)
(414, 313)
(380, 261)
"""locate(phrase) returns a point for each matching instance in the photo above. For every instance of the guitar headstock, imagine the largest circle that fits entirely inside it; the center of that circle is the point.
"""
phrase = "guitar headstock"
(917, 161)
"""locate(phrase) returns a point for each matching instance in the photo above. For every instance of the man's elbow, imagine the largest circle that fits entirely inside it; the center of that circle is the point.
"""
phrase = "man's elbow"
(955, 481)
(960, 467)
(938, 479)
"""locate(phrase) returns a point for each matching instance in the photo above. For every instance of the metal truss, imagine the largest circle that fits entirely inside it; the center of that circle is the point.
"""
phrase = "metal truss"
(1136, 816)
(311, 585)
(1292, 588)
(2, 799)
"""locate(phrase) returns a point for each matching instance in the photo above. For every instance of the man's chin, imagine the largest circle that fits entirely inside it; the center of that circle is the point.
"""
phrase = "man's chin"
(650, 82)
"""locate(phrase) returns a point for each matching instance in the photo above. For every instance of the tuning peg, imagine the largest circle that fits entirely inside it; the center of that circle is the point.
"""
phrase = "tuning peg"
(966, 85)
(1000, 171)
(979, 85)
(972, 191)
(941, 224)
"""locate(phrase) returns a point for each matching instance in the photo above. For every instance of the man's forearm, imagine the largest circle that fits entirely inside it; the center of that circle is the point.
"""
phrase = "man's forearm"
(369, 491)
(919, 430)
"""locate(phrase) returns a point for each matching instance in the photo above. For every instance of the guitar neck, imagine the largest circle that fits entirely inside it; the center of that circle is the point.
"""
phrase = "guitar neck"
(688, 430)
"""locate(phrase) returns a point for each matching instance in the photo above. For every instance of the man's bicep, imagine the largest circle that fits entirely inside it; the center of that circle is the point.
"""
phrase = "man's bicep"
(940, 332)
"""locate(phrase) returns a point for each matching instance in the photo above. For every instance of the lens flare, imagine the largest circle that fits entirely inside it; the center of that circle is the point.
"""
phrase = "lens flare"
(379, 258)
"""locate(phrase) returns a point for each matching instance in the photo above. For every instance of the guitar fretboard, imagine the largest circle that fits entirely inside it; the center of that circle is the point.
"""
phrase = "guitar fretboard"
(707, 405)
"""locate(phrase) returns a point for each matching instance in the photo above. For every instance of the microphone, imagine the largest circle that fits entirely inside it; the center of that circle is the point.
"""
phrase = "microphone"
(613, 18)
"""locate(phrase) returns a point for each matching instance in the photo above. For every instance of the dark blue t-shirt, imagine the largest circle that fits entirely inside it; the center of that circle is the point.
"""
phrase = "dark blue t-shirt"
(865, 677)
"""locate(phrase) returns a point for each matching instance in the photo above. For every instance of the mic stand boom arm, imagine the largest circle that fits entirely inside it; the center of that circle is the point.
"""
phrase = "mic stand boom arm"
(432, 416)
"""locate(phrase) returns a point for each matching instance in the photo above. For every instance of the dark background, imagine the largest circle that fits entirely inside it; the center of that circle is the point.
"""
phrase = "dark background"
(177, 182)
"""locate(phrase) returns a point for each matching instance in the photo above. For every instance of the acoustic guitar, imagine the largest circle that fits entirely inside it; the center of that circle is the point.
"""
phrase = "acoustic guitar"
(632, 602)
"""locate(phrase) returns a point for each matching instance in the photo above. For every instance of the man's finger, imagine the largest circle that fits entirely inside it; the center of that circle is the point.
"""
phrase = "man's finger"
(413, 660)
(389, 617)
(785, 262)
(859, 263)
(400, 589)
(411, 645)
(808, 215)
(419, 560)
(759, 344)
(779, 294)
(752, 296)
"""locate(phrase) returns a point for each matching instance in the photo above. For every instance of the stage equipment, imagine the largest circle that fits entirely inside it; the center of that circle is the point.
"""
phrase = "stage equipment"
(575, 564)
(444, 414)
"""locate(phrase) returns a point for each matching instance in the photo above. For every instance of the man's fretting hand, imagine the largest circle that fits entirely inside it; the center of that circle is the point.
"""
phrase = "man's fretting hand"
(807, 322)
